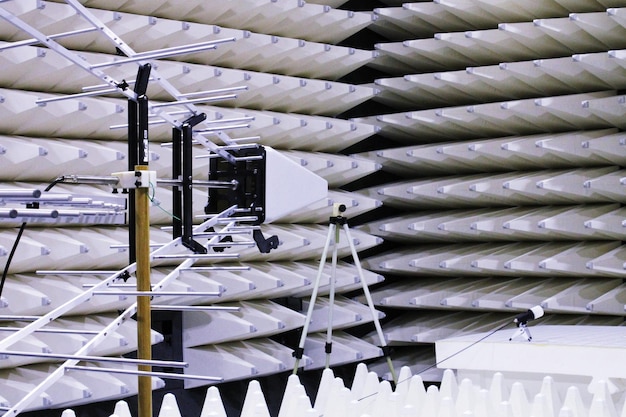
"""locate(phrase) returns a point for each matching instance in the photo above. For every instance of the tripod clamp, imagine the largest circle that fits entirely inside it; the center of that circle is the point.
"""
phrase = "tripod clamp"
(338, 220)
(298, 352)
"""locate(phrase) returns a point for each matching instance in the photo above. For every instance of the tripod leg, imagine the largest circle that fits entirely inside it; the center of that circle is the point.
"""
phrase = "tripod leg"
(300, 350)
(370, 303)
(329, 329)
(526, 333)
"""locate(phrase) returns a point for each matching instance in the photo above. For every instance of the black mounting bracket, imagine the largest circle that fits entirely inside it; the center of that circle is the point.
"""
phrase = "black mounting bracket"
(249, 171)
(182, 169)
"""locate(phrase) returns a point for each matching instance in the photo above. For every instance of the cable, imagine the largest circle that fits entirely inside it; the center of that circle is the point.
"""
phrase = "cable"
(54, 182)
(465, 348)
(445, 359)
(19, 236)
(6, 267)
(158, 204)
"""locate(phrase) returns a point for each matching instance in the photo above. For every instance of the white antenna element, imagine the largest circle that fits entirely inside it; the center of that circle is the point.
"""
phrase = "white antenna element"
(289, 187)
(533, 313)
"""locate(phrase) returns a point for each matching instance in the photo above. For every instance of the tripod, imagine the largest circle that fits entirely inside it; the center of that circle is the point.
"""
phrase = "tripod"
(338, 219)
(522, 331)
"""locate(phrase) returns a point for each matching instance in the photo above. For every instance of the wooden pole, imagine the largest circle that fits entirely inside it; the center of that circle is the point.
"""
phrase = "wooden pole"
(144, 325)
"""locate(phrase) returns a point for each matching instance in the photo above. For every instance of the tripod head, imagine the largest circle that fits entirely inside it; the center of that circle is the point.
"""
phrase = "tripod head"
(337, 217)
(338, 208)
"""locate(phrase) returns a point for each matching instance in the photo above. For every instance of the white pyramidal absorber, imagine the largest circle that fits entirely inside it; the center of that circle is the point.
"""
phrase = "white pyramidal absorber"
(369, 396)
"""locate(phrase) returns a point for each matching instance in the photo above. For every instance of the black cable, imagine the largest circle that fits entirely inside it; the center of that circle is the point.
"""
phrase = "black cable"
(6, 267)
(19, 236)
(445, 359)
(55, 182)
